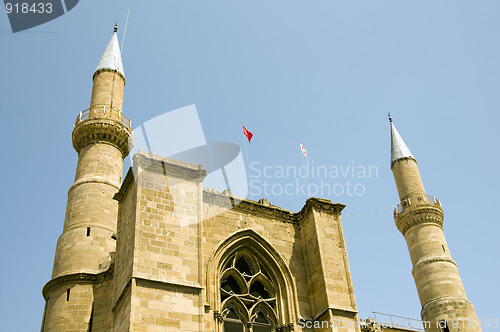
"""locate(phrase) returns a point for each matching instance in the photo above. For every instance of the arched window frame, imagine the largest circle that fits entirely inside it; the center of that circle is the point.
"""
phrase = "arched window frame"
(249, 303)
(264, 308)
(235, 304)
(256, 250)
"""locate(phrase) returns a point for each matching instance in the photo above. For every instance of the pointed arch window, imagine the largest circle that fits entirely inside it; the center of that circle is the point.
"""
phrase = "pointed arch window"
(248, 295)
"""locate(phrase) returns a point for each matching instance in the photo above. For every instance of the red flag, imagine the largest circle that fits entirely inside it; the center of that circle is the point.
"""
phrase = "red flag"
(304, 151)
(248, 134)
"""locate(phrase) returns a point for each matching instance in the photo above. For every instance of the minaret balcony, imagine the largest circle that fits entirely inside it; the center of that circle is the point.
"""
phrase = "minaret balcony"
(103, 124)
(416, 210)
(103, 112)
(416, 200)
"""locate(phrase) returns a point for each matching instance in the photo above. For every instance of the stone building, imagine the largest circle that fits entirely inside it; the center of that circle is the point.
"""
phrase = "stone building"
(158, 252)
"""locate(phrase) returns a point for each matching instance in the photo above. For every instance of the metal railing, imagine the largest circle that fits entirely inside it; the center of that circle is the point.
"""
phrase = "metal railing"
(104, 112)
(398, 321)
(422, 199)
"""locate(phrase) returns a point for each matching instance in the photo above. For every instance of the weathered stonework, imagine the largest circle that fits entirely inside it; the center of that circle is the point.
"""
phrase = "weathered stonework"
(81, 290)
(420, 219)
(166, 270)
(158, 252)
(163, 254)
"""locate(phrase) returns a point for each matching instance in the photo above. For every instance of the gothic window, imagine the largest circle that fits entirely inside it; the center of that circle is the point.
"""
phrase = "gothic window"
(248, 295)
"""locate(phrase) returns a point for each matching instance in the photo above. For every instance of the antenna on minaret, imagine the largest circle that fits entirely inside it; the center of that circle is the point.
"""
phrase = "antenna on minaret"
(116, 27)
(125, 31)
(389, 115)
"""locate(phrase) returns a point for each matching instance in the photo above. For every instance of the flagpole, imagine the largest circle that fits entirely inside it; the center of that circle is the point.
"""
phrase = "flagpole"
(246, 156)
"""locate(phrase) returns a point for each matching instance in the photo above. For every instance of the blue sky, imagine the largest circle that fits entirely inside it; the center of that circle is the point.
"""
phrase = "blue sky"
(324, 72)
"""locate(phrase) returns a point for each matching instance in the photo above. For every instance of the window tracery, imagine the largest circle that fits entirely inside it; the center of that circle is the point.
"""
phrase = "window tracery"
(248, 296)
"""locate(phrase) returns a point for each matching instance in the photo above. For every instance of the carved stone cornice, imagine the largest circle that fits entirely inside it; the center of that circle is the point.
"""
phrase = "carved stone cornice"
(267, 210)
(166, 166)
(272, 212)
(244, 205)
(102, 130)
(81, 278)
(420, 214)
(319, 204)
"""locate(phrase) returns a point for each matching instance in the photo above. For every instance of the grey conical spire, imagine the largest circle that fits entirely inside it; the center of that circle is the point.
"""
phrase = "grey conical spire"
(399, 149)
(112, 58)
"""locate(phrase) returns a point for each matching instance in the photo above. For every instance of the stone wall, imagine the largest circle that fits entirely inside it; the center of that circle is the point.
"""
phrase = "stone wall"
(167, 268)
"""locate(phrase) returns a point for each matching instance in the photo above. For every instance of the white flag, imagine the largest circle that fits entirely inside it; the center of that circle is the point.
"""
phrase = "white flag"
(304, 151)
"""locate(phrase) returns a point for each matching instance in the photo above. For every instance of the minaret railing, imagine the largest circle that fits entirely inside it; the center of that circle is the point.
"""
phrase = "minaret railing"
(415, 200)
(103, 112)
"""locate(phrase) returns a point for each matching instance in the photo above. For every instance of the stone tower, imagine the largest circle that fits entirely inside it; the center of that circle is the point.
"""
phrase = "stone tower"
(419, 218)
(101, 138)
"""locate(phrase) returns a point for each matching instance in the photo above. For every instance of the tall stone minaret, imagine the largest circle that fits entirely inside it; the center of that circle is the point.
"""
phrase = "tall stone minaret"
(101, 137)
(419, 218)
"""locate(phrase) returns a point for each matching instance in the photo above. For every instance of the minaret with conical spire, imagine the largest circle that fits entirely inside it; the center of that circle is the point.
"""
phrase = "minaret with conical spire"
(419, 218)
(101, 137)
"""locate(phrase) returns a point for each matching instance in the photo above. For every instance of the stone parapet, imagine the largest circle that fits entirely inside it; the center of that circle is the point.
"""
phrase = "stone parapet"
(263, 209)
(167, 166)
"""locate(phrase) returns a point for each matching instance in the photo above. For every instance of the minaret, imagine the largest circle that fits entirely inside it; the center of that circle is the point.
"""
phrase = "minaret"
(101, 137)
(419, 218)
